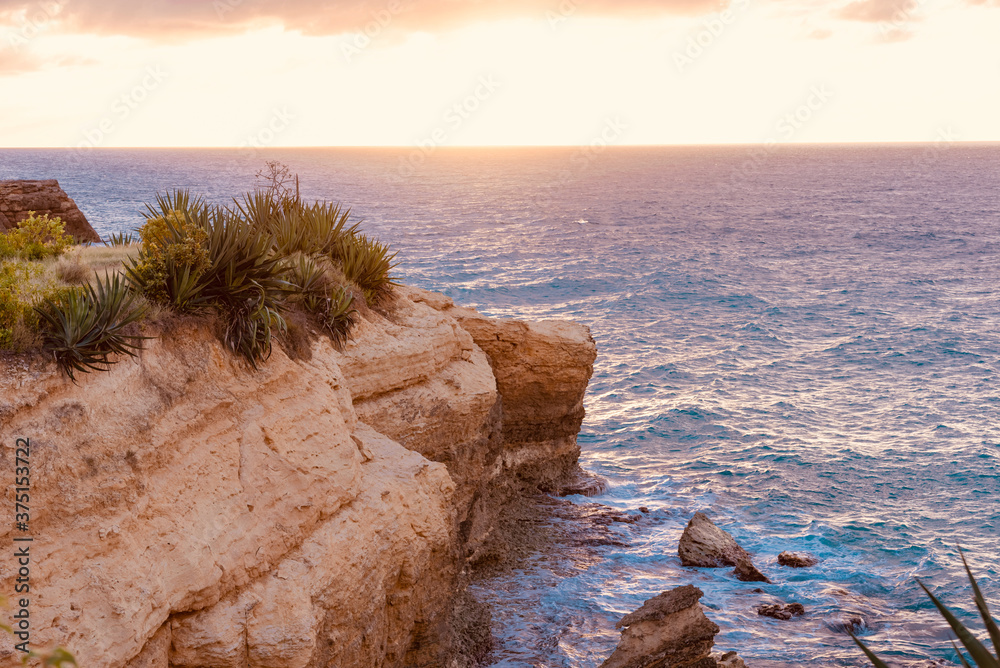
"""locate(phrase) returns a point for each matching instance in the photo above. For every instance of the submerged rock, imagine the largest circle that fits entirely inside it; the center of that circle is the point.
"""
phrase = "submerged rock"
(670, 630)
(852, 624)
(781, 611)
(797, 559)
(705, 545)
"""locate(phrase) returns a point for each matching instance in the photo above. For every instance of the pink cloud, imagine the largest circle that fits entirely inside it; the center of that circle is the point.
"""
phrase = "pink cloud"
(876, 11)
(172, 18)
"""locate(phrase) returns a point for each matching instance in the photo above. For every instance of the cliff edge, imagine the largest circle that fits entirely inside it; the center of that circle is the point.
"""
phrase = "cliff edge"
(186, 511)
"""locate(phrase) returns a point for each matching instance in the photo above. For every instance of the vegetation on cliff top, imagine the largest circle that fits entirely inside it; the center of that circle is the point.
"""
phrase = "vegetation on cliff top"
(265, 264)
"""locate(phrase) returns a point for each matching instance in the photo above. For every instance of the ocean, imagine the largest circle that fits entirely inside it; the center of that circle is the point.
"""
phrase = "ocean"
(802, 341)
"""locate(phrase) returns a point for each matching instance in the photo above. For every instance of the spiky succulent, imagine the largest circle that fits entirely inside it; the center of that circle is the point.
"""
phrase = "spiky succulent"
(84, 327)
(981, 656)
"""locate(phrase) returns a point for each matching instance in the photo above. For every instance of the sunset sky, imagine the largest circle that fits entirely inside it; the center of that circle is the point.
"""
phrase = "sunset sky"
(496, 72)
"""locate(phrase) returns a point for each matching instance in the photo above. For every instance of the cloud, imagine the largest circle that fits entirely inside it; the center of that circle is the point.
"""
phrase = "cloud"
(173, 18)
(875, 11)
(893, 35)
(17, 62)
(821, 33)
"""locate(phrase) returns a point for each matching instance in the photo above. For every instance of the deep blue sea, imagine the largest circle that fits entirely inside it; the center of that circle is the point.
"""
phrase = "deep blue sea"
(804, 342)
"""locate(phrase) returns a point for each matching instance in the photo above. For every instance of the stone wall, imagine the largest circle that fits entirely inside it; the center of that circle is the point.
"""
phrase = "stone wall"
(18, 198)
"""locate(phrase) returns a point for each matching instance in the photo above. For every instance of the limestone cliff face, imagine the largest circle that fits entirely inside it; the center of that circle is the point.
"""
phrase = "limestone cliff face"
(187, 511)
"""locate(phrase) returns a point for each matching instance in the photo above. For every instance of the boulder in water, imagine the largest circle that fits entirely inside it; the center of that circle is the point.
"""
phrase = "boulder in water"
(705, 545)
(670, 630)
(797, 559)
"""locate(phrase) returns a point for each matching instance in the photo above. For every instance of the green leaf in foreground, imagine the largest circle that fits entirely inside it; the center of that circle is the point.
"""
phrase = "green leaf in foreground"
(980, 654)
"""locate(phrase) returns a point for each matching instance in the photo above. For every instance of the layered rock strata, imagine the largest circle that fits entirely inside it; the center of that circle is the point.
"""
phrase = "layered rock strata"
(670, 630)
(187, 511)
(19, 198)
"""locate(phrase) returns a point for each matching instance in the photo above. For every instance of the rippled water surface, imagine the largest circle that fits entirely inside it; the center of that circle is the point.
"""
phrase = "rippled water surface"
(803, 343)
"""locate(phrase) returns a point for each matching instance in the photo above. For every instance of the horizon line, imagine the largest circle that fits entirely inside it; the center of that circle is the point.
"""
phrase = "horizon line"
(508, 146)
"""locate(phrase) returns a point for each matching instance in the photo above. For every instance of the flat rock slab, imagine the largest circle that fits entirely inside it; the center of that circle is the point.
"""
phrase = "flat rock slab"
(19, 198)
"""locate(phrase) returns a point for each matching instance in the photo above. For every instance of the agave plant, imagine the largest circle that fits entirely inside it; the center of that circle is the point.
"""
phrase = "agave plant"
(332, 304)
(177, 200)
(294, 226)
(84, 327)
(982, 657)
(369, 264)
(117, 239)
(339, 316)
(246, 281)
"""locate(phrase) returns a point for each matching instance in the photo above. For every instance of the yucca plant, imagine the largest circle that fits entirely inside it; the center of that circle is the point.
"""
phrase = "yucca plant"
(117, 239)
(369, 264)
(85, 326)
(324, 225)
(258, 209)
(176, 200)
(246, 281)
(980, 655)
(339, 316)
(332, 304)
(295, 226)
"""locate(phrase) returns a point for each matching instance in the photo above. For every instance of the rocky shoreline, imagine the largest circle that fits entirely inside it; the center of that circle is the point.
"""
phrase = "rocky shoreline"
(335, 508)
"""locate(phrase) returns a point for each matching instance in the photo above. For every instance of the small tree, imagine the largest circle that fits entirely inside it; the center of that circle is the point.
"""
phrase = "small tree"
(277, 181)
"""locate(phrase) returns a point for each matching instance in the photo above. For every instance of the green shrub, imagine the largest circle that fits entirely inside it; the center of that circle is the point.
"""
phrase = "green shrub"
(36, 238)
(15, 306)
(981, 656)
(23, 285)
(84, 327)
(249, 259)
(200, 256)
(367, 263)
(173, 245)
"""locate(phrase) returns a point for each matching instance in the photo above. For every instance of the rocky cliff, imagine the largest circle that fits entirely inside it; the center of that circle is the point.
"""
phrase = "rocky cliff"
(187, 511)
(18, 198)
